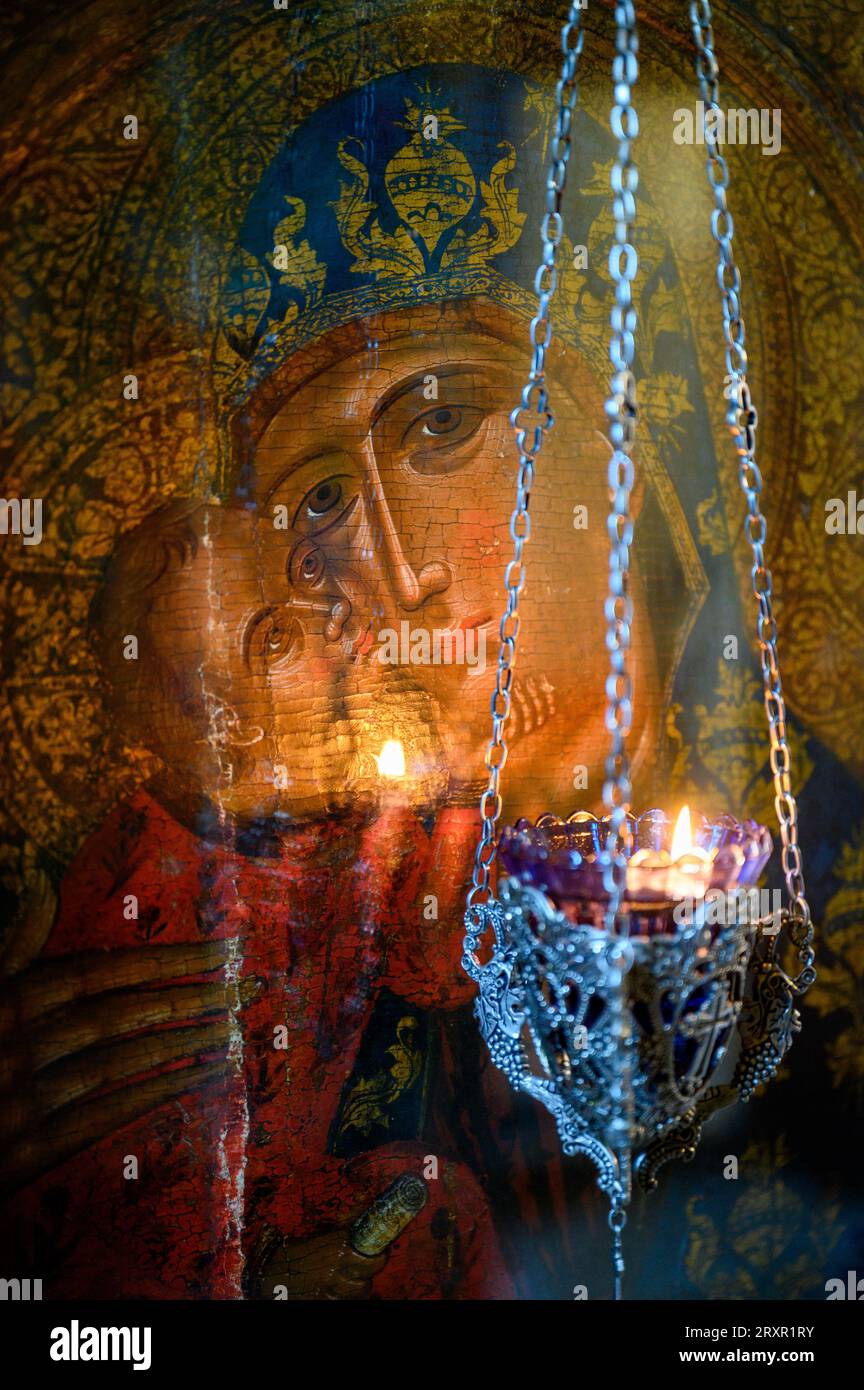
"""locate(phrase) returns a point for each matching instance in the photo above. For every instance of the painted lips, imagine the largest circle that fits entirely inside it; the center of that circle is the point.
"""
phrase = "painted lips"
(475, 622)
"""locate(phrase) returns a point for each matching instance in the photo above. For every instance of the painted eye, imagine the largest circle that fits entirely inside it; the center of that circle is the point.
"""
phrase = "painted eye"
(436, 439)
(324, 498)
(443, 421)
(328, 503)
(275, 639)
(306, 565)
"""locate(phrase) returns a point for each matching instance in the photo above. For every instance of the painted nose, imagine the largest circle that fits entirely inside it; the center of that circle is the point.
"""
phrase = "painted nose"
(412, 590)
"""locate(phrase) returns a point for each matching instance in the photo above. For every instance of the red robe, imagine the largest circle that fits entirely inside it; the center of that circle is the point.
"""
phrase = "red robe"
(300, 1137)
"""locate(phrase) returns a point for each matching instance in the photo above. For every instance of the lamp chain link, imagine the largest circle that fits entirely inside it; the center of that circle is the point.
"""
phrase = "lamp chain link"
(622, 412)
(529, 439)
(742, 419)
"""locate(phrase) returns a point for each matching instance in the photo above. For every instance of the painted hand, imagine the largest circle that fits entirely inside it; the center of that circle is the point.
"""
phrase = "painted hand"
(83, 1045)
(323, 1267)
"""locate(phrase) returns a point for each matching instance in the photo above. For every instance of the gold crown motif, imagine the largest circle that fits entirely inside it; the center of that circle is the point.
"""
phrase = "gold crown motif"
(432, 188)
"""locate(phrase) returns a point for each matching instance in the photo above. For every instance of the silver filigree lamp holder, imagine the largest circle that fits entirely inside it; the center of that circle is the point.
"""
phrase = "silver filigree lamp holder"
(611, 989)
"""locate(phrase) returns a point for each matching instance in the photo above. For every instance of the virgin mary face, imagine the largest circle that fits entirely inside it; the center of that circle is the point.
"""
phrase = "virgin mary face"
(352, 598)
(384, 480)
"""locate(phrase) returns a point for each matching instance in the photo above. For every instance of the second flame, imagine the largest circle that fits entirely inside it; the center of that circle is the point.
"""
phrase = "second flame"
(391, 759)
(682, 836)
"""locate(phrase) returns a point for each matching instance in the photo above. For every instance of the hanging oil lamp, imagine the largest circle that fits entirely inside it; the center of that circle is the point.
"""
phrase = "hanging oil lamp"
(606, 990)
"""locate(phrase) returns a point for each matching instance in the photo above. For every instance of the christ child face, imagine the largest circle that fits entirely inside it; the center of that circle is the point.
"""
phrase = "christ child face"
(241, 684)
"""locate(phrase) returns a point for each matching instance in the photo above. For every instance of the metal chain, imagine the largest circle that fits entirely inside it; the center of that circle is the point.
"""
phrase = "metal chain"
(741, 418)
(620, 1129)
(618, 609)
(617, 1222)
(533, 401)
(622, 412)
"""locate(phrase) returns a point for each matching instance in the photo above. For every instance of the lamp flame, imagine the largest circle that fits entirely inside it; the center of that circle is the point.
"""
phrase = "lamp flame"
(682, 838)
(391, 759)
